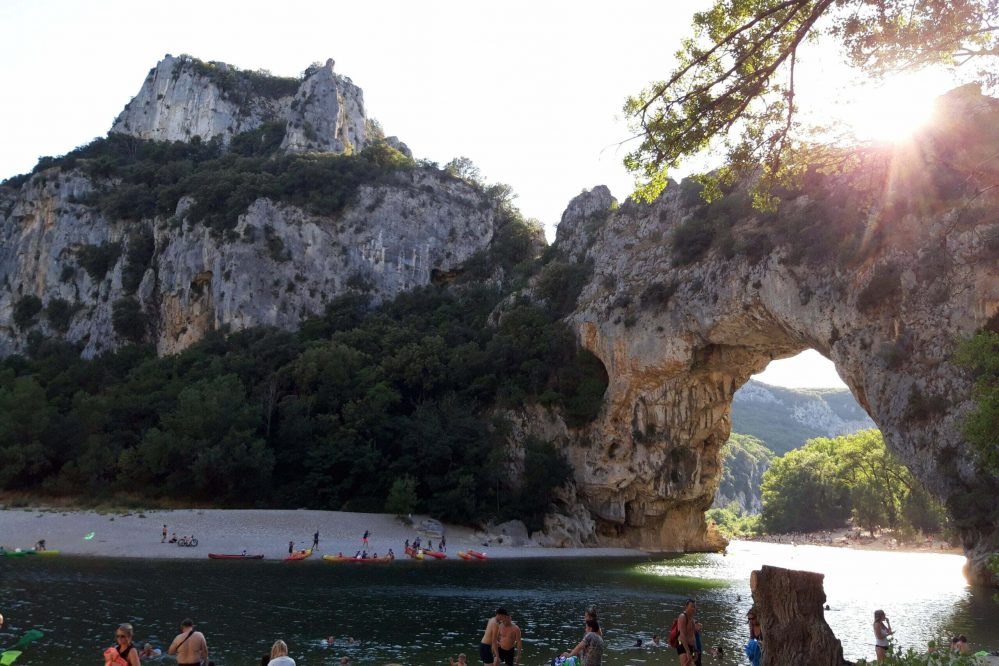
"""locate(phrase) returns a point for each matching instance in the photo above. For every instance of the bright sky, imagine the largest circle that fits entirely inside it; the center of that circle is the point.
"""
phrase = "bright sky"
(530, 91)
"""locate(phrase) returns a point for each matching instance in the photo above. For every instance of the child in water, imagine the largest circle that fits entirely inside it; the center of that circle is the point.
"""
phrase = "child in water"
(462, 660)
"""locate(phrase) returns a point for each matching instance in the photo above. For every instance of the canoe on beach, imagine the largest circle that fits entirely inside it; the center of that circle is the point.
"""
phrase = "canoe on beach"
(436, 554)
(223, 556)
(299, 555)
(477, 555)
(416, 555)
(342, 558)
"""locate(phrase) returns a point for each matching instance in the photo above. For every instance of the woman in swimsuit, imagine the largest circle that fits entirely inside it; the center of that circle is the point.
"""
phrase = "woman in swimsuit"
(123, 653)
(882, 630)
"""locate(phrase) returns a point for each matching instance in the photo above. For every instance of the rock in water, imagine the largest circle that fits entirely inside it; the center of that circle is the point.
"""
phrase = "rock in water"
(788, 605)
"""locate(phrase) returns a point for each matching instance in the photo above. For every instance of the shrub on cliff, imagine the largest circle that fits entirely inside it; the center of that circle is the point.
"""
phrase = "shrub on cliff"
(980, 354)
(26, 309)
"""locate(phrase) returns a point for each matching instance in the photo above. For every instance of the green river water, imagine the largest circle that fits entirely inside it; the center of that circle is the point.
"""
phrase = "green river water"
(422, 612)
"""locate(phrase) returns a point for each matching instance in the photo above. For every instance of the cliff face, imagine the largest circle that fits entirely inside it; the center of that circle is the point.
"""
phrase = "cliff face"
(67, 266)
(279, 264)
(183, 97)
(882, 269)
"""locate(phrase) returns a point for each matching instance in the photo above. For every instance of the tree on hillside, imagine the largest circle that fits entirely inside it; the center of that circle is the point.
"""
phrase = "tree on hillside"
(738, 71)
(853, 476)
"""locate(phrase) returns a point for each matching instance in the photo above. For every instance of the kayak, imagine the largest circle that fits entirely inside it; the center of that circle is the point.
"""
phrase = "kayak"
(413, 553)
(477, 555)
(299, 555)
(19, 553)
(46, 552)
(436, 554)
(465, 556)
(222, 556)
(342, 558)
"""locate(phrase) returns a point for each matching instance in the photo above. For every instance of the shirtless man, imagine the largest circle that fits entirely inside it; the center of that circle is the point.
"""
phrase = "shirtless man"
(509, 646)
(189, 646)
(487, 646)
(688, 642)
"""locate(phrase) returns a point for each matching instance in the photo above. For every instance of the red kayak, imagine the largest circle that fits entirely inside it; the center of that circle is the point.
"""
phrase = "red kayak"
(436, 554)
(222, 556)
(465, 556)
(477, 555)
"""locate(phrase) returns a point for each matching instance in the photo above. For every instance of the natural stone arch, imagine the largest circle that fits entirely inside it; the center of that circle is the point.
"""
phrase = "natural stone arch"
(679, 334)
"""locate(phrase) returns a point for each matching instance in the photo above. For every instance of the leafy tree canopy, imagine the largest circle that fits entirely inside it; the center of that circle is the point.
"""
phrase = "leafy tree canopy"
(736, 72)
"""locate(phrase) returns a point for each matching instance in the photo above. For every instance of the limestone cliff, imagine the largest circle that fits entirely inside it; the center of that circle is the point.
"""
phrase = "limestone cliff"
(881, 267)
(70, 262)
(183, 97)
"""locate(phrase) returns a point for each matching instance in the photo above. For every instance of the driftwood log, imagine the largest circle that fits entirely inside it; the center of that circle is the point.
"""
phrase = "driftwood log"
(789, 607)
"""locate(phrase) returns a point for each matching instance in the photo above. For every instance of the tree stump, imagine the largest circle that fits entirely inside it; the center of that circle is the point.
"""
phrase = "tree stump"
(788, 605)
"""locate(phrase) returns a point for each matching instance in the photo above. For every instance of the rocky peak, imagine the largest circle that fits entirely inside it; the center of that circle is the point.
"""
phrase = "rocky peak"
(183, 97)
(582, 219)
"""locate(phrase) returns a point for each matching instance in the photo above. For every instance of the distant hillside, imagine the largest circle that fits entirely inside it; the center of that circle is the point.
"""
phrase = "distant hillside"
(769, 421)
(785, 419)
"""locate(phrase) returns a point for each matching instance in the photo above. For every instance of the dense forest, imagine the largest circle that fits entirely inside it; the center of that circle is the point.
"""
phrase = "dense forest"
(330, 417)
(395, 406)
(831, 482)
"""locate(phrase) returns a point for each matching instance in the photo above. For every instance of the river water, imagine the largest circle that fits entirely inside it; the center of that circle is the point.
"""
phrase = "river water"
(422, 612)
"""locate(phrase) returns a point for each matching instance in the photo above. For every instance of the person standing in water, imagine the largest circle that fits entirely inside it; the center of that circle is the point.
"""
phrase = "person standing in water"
(189, 646)
(882, 630)
(123, 653)
(687, 648)
(509, 643)
(487, 645)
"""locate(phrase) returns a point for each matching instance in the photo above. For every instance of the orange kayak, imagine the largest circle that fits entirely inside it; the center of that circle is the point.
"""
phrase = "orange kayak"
(299, 555)
(465, 556)
(477, 555)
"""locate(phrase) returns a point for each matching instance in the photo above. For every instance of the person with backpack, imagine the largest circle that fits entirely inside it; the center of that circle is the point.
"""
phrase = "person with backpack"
(682, 635)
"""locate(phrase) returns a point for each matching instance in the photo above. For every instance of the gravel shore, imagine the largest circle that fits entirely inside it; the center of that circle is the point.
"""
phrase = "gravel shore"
(257, 531)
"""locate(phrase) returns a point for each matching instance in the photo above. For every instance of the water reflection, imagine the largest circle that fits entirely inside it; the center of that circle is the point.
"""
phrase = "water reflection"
(421, 613)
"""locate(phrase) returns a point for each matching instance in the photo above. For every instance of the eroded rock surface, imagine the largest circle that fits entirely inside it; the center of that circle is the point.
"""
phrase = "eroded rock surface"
(183, 97)
(883, 269)
(789, 607)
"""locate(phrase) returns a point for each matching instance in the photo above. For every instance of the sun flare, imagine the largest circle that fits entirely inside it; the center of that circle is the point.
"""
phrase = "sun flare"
(891, 110)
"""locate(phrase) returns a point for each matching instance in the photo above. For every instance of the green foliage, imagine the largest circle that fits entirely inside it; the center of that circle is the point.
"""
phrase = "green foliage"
(141, 247)
(560, 284)
(980, 354)
(359, 401)
(238, 85)
(139, 179)
(733, 523)
(943, 657)
(854, 476)
(26, 309)
(744, 460)
(59, 313)
(775, 424)
(128, 319)
(402, 497)
(737, 71)
(97, 260)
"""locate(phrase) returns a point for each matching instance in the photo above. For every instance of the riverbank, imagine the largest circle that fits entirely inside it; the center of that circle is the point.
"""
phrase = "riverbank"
(257, 531)
(853, 538)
